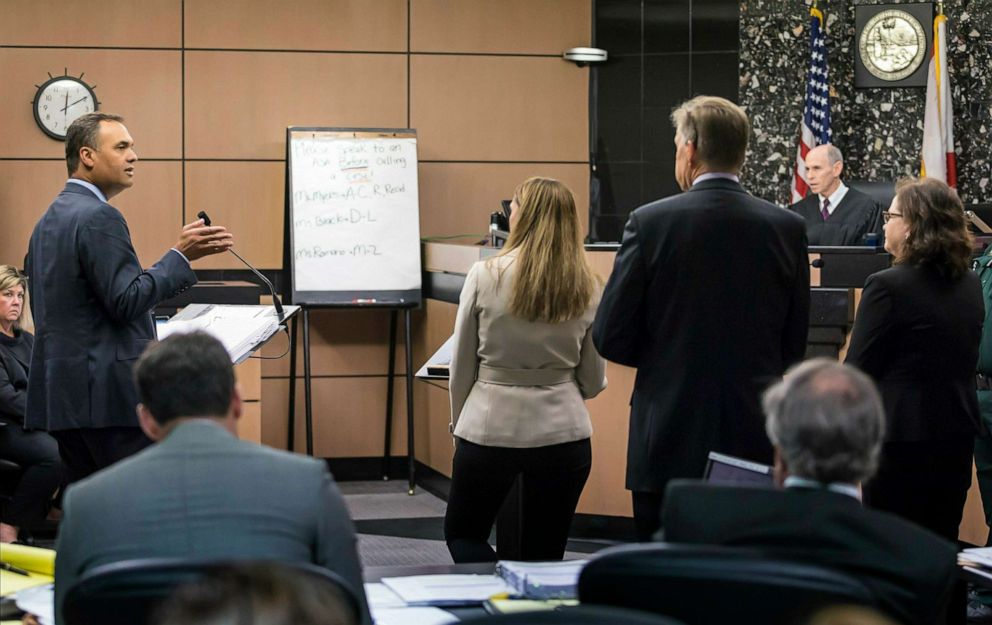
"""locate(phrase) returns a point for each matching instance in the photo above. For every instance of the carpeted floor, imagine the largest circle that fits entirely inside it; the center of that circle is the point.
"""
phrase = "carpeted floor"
(395, 528)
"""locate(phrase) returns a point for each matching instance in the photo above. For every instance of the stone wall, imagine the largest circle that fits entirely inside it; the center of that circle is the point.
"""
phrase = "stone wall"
(880, 131)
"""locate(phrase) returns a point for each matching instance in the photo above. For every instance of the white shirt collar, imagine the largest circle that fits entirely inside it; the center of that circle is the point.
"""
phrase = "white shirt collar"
(794, 481)
(835, 198)
(712, 175)
(92, 187)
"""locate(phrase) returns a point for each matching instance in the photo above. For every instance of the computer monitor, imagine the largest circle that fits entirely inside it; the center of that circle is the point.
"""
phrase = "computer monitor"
(731, 471)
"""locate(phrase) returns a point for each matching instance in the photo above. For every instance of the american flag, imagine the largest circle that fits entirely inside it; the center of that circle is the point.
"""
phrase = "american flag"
(815, 127)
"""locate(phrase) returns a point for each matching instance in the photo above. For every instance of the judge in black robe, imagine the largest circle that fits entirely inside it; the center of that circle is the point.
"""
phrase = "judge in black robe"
(852, 214)
(855, 216)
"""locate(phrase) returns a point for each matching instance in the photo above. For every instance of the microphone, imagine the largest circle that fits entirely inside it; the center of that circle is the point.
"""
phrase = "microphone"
(817, 263)
(275, 298)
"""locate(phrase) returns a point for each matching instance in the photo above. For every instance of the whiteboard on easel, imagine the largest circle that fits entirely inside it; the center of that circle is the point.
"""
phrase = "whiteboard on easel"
(353, 216)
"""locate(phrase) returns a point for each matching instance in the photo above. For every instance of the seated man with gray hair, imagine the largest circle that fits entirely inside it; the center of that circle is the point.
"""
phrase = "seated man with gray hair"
(825, 421)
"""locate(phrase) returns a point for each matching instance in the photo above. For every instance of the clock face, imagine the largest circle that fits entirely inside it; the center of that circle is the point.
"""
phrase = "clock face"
(59, 102)
(892, 45)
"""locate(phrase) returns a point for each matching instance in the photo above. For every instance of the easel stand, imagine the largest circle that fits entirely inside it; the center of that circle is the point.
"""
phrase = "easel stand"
(307, 392)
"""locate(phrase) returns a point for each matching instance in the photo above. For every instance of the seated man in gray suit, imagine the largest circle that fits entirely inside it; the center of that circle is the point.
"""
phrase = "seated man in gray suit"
(825, 421)
(200, 492)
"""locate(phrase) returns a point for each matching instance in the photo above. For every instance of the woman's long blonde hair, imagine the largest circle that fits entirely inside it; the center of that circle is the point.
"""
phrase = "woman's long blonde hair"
(553, 281)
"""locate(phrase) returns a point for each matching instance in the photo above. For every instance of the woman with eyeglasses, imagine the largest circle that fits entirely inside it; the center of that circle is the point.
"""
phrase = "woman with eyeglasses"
(916, 334)
(522, 366)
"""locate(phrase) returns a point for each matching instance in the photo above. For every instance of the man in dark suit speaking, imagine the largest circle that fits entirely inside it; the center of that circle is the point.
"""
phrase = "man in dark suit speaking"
(826, 422)
(835, 214)
(92, 301)
(709, 299)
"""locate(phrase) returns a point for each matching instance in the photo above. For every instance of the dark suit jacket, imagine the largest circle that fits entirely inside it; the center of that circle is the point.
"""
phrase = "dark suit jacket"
(202, 493)
(14, 376)
(92, 304)
(916, 334)
(908, 569)
(856, 216)
(709, 299)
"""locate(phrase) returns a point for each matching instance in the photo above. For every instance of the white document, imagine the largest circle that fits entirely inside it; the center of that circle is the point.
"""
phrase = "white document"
(981, 556)
(412, 616)
(379, 595)
(446, 590)
(38, 600)
(239, 328)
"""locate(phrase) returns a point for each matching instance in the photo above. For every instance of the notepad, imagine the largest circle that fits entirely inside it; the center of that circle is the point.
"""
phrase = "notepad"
(446, 590)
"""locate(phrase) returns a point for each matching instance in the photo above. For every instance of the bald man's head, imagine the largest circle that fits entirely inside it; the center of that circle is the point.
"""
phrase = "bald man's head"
(824, 165)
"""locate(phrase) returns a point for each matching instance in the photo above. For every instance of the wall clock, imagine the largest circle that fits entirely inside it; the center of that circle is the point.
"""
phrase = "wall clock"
(893, 43)
(61, 100)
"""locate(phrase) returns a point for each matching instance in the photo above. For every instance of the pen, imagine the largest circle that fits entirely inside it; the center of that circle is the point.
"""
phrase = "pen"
(13, 569)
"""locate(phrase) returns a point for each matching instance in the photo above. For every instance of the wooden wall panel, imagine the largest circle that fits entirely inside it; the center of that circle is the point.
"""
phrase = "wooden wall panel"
(342, 342)
(483, 108)
(149, 23)
(238, 104)
(610, 415)
(297, 25)
(457, 198)
(248, 199)
(500, 26)
(152, 207)
(26, 190)
(348, 415)
(141, 85)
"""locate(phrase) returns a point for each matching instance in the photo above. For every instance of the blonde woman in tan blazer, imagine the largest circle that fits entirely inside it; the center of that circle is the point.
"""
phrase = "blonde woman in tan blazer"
(522, 367)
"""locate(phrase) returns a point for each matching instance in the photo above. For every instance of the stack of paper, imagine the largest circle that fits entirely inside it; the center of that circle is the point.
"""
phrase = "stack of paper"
(542, 580)
(239, 328)
(446, 590)
(978, 560)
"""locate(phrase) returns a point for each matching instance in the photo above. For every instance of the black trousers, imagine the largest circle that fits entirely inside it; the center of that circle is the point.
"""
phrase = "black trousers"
(481, 476)
(38, 454)
(926, 482)
(647, 514)
(85, 451)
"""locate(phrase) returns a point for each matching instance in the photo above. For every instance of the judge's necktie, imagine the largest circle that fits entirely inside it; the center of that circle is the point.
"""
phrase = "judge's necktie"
(825, 211)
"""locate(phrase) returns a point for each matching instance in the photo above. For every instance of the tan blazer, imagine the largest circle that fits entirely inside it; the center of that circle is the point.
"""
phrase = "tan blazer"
(517, 383)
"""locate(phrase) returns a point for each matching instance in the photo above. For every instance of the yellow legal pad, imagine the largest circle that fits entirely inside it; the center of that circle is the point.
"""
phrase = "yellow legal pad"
(39, 563)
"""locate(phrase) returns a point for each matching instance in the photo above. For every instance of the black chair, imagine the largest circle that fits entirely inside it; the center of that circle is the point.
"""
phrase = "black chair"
(129, 592)
(578, 615)
(879, 190)
(707, 585)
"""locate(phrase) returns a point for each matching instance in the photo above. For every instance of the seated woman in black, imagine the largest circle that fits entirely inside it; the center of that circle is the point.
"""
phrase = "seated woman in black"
(36, 452)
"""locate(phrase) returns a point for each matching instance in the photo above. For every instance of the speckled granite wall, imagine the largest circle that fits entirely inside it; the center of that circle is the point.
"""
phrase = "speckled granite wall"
(879, 130)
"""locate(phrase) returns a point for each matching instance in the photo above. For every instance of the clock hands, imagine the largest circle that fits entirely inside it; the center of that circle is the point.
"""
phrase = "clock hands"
(67, 105)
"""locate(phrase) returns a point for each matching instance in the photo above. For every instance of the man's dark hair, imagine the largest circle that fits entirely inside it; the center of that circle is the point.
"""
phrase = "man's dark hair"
(84, 132)
(186, 375)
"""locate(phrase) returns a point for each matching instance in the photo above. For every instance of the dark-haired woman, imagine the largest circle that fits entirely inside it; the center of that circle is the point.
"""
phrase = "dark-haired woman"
(916, 334)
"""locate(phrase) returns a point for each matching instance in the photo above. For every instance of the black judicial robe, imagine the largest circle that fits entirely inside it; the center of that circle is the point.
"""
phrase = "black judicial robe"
(856, 215)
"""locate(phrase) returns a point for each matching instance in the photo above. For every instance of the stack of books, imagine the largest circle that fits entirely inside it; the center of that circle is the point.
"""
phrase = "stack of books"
(542, 580)
(977, 560)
